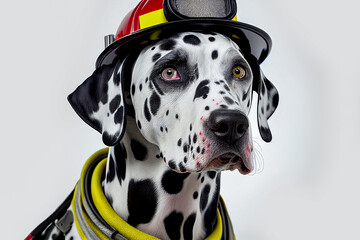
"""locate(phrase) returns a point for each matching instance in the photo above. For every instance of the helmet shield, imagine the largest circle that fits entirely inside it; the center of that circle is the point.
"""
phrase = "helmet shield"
(190, 9)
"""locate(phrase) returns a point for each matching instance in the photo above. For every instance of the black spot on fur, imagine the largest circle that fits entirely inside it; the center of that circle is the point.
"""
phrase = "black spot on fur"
(192, 39)
(222, 92)
(226, 87)
(167, 112)
(133, 89)
(211, 174)
(139, 150)
(214, 54)
(198, 149)
(140, 87)
(202, 89)
(185, 147)
(142, 201)
(155, 103)
(156, 57)
(172, 225)
(228, 100)
(161, 129)
(146, 111)
(211, 39)
(120, 166)
(190, 126)
(185, 159)
(195, 138)
(179, 142)
(188, 227)
(182, 167)
(168, 45)
(139, 124)
(202, 179)
(153, 48)
(195, 195)
(119, 116)
(207, 108)
(172, 164)
(223, 106)
(204, 197)
(173, 182)
(177, 116)
(110, 175)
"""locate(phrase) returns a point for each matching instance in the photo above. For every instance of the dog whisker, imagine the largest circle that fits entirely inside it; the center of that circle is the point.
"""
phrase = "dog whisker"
(257, 158)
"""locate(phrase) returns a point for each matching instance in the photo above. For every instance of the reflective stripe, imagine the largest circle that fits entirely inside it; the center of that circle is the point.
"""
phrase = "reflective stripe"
(157, 17)
(152, 19)
(77, 214)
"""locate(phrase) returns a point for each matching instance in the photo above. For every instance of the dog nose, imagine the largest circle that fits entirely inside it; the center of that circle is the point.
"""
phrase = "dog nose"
(228, 125)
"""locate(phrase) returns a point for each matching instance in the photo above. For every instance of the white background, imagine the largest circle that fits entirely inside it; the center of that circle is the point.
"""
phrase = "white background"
(309, 188)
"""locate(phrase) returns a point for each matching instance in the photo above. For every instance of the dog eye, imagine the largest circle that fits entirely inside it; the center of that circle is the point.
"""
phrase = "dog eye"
(239, 72)
(170, 73)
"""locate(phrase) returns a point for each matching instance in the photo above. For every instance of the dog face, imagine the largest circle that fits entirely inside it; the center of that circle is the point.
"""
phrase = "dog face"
(191, 94)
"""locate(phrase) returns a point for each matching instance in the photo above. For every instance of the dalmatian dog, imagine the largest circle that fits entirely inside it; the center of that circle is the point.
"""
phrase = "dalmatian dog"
(173, 125)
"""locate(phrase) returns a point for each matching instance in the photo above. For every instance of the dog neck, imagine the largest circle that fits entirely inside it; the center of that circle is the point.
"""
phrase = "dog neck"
(154, 199)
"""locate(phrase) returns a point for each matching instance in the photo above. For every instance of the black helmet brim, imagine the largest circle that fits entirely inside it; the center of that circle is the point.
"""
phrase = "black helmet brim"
(251, 40)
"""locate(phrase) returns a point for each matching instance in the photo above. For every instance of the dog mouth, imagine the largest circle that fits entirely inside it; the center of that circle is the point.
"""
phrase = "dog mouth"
(231, 161)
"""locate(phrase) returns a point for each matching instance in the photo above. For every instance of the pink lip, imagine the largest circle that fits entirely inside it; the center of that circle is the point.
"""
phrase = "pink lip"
(231, 161)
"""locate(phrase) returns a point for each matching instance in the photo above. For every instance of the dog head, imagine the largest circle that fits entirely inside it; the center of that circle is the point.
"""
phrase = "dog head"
(191, 94)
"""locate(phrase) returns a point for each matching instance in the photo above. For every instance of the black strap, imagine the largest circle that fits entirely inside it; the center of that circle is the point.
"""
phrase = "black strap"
(58, 213)
(228, 231)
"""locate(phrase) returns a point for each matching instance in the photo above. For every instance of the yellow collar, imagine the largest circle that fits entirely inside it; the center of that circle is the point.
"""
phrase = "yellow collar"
(87, 228)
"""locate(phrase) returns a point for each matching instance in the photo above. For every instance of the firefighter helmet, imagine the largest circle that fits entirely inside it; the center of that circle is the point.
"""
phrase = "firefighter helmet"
(152, 20)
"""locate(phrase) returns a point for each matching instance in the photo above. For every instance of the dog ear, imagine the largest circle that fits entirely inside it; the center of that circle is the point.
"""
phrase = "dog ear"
(268, 100)
(100, 102)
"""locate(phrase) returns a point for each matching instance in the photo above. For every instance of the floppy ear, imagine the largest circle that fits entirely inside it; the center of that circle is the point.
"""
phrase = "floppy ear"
(100, 102)
(268, 100)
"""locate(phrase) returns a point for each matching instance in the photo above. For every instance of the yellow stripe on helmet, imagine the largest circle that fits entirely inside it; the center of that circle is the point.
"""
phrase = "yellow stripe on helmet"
(157, 17)
(152, 19)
